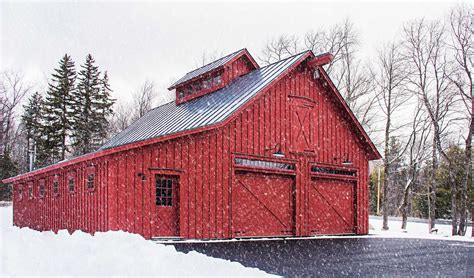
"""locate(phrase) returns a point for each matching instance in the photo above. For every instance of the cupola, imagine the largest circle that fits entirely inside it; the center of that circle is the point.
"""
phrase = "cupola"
(213, 76)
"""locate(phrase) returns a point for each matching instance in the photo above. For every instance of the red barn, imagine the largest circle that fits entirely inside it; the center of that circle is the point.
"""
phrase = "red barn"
(244, 151)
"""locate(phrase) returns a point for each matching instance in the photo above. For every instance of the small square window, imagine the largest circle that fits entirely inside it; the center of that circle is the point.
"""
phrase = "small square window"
(41, 188)
(90, 181)
(164, 191)
(56, 187)
(71, 184)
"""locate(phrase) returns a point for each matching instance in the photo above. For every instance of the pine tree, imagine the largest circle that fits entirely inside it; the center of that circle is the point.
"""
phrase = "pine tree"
(104, 110)
(85, 107)
(58, 110)
(33, 124)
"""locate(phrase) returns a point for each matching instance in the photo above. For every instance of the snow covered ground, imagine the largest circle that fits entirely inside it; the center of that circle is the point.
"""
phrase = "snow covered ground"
(25, 252)
(414, 230)
(28, 252)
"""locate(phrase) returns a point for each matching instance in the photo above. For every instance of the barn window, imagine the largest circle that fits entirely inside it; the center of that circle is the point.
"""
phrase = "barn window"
(164, 191)
(30, 190)
(263, 164)
(90, 181)
(20, 192)
(41, 188)
(71, 184)
(56, 187)
(333, 171)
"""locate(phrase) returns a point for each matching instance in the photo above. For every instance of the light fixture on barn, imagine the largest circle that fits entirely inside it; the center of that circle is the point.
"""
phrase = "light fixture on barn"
(316, 74)
(142, 175)
(278, 153)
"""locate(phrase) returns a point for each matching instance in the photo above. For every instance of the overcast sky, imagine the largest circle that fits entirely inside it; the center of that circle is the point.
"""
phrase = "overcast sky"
(163, 41)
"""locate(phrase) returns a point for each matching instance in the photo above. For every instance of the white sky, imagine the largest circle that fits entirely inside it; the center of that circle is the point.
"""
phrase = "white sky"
(163, 41)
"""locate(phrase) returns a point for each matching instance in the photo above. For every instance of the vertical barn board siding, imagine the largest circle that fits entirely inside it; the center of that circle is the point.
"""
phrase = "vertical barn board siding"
(184, 192)
(218, 184)
(192, 188)
(205, 186)
(226, 182)
(129, 184)
(178, 164)
(212, 185)
(139, 182)
(199, 198)
(233, 128)
(122, 204)
(61, 199)
(112, 185)
(147, 183)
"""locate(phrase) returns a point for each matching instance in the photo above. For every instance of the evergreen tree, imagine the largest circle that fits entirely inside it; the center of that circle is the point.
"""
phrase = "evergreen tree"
(92, 108)
(33, 124)
(58, 110)
(8, 168)
(104, 110)
(85, 107)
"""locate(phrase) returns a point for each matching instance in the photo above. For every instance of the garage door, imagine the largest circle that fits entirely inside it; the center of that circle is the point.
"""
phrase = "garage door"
(262, 205)
(331, 206)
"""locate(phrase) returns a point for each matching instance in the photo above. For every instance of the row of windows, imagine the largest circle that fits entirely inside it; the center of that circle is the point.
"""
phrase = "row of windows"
(55, 187)
(264, 164)
(340, 172)
(201, 85)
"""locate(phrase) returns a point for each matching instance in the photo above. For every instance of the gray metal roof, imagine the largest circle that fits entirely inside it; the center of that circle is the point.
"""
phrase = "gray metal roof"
(206, 68)
(207, 110)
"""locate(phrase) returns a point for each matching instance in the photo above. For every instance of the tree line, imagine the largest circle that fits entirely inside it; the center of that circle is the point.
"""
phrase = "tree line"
(71, 118)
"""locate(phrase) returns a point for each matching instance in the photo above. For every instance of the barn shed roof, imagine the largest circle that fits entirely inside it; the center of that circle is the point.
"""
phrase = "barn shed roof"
(204, 111)
(171, 120)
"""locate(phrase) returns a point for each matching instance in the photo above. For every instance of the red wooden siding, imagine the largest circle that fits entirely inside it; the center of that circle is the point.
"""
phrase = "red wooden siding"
(297, 116)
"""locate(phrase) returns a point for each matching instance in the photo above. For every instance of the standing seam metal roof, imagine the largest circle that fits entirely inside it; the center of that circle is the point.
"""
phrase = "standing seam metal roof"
(206, 68)
(207, 110)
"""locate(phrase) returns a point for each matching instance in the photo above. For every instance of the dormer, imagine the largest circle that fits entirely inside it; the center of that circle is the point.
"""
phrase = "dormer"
(213, 76)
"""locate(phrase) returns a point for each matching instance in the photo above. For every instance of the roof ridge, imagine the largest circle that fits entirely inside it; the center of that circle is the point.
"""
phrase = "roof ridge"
(284, 59)
(289, 57)
(216, 60)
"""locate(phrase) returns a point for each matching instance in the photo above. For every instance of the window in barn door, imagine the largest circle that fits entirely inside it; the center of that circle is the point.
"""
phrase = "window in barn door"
(164, 191)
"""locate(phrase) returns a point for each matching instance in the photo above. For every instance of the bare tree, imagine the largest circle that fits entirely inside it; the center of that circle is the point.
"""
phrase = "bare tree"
(352, 78)
(13, 89)
(425, 51)
(143, 99)
(462, 45)
(417, 154)
(279, 48)
(121, 118)
(391, 97)
(208, 57)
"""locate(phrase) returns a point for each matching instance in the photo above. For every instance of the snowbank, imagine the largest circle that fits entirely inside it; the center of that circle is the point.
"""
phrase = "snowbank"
(28, 252)
(415, 230)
